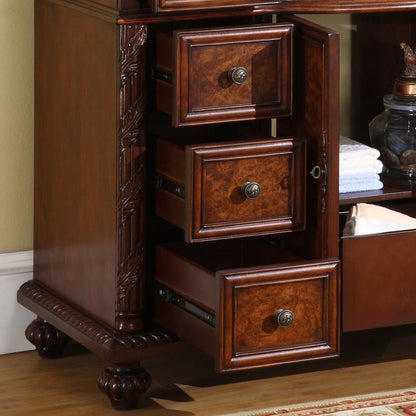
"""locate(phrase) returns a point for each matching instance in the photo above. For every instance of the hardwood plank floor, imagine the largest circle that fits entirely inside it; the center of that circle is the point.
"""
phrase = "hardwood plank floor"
(184, 383)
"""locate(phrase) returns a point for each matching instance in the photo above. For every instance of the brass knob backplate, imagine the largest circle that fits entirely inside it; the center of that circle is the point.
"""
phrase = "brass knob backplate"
(283, 317)
(251, 190)
(238, 75)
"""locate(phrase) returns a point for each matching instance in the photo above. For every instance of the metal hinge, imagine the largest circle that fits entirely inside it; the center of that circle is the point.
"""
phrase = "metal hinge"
(160, 182)
(169, 296)
(318, 172)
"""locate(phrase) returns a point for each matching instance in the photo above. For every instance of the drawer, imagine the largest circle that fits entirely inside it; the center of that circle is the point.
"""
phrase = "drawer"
(248, 303)
(378, 280)
(231, 189)
(224, 74)
(187, 5)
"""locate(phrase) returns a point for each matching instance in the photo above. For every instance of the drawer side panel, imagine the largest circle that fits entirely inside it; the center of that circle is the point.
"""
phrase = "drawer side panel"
(378, 280)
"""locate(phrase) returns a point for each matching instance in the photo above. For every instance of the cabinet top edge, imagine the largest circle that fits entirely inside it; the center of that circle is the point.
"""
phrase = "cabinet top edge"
(146, 15)
(124, 12)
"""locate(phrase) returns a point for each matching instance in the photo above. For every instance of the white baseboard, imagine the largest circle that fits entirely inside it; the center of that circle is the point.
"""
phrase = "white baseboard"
(15, 269)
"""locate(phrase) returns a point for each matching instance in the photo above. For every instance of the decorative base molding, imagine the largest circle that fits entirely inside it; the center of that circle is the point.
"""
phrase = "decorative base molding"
(15, 269)
(116, 347)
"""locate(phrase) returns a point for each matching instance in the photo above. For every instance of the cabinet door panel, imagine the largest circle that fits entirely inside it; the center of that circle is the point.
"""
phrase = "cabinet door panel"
(316, 119)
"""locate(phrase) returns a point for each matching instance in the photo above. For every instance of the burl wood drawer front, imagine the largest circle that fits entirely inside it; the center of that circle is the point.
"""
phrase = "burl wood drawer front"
(251, 329)
(378, 280)
(230, 74)
(260, 315)
(233, 189)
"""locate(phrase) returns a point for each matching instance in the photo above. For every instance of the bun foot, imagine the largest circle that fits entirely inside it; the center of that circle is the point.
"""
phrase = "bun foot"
(124, 385)
(49, 341)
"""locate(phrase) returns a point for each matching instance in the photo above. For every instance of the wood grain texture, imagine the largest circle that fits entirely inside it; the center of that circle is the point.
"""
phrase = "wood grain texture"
(244, 300)
(85, 193)
(217, 206)
(284, 6)
(75, 240)
(316, 120)
(202, 90)
(213, 174)
(378, 281)
(114, 346)
(145, 11)
(248, 334)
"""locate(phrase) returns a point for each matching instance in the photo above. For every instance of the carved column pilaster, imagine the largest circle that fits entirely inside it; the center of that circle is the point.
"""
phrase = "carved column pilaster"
(131, 179)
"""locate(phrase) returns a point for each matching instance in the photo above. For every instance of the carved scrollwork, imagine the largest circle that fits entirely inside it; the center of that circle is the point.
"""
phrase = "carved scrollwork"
(131, 190)
(108, 341)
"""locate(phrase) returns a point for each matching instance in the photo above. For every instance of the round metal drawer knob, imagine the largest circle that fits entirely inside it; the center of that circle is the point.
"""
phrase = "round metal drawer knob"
(251, 190)
(283, 317)
(238, 75)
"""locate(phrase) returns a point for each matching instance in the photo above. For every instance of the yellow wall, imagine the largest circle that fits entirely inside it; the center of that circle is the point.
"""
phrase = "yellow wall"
(16, 116)
(16, 125)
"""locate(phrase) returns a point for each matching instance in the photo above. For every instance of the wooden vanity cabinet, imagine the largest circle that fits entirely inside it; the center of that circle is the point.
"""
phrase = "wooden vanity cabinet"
(124, 94)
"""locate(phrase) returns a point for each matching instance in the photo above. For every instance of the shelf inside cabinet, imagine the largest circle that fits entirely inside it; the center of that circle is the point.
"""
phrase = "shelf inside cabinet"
(393, 188)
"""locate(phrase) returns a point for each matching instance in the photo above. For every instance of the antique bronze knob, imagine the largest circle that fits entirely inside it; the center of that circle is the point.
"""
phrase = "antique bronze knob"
(251, 190)
(238, 75)
(283, 317)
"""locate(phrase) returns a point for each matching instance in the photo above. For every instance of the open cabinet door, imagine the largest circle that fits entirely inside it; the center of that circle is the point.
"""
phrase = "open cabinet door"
(316, 119)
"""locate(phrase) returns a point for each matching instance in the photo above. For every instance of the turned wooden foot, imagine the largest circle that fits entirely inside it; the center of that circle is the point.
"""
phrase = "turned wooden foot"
(49, 341)
(124, 385)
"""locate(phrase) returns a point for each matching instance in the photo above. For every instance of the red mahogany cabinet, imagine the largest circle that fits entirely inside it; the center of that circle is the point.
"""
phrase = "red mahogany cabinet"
(167, 208)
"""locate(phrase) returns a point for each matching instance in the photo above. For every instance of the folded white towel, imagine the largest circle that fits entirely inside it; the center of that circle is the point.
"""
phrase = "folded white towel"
(364, 226)
(361, 187)
(352, 166)
(351, 149)
(357, 182)
(381, 213)
(358, 177)
(373, 219)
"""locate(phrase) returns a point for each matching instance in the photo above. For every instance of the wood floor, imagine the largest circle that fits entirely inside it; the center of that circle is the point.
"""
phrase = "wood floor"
(184, 383)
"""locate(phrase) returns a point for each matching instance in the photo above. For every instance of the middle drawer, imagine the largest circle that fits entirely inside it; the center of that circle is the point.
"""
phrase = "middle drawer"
(231, 189)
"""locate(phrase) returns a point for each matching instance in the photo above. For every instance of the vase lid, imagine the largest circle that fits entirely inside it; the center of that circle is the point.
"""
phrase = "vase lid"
(405, 85)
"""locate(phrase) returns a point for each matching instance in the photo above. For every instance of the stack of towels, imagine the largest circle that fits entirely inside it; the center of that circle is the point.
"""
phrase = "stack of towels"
(373, 219)
(359, 167)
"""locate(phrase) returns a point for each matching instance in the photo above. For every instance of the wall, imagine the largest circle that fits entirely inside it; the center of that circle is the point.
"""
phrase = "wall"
(16, 125)
(16, 168)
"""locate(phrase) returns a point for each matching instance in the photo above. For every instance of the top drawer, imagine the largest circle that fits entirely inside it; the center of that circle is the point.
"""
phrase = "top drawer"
(224, 74)
(186, 5)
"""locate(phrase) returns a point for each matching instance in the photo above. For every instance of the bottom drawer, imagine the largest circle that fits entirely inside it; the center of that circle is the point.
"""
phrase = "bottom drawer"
(273, 308)
(378, 280)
